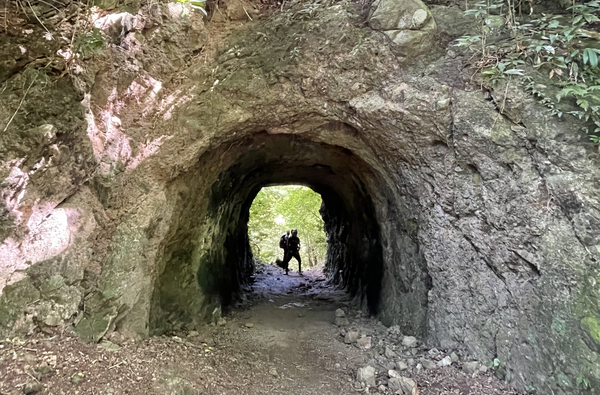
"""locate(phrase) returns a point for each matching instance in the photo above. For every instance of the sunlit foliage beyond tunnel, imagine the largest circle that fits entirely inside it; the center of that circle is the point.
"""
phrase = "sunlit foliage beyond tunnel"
(280, 208)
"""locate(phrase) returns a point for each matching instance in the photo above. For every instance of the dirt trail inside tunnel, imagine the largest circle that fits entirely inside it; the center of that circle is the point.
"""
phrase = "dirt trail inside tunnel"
(282, 339)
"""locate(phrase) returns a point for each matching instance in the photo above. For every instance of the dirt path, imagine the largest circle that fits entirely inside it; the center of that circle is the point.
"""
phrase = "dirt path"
(281, 340)
(294, 333)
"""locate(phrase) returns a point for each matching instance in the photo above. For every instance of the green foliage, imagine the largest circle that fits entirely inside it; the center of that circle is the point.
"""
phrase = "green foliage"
(583, 382)
(89, 43)
(497, 368)
(281, 208)
(558, 45)
(496, 363)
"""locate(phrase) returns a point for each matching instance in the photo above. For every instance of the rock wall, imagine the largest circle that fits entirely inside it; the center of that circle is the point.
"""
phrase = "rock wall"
(126, 196)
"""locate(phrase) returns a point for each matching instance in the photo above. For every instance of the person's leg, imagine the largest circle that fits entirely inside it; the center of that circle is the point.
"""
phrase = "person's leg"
(297, 256)
(286, 261)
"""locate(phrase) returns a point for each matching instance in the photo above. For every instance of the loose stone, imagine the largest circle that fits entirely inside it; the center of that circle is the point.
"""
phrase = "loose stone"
(366, 375)
(446, 361)
(409, 341)
(428, 364)
(470, 367)
(401, 365)
(403, 384)
(351, 337)
(389, 353)
(364, 343)
(32, 387)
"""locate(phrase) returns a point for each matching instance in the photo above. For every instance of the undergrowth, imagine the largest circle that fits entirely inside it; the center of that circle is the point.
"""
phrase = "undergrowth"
(72, 23)
(563, 47)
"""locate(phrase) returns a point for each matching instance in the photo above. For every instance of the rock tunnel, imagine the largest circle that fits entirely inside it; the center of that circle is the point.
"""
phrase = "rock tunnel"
(467, 218)
(220, 261)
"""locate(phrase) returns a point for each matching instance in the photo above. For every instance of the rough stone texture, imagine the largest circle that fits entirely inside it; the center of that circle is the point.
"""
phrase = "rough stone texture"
(409, 341)
(470, 367)
(389, 353)
(125, 190)
(364, 342)
(351, 337)
(404, 385)
(407, 23)
(366, 375)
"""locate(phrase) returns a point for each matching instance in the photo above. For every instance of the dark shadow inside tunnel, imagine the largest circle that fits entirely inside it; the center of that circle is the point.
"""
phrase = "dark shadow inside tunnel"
(354, 258)
(207, 264)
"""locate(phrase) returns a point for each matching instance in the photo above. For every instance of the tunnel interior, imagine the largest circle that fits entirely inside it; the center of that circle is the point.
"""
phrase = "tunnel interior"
(207, 256)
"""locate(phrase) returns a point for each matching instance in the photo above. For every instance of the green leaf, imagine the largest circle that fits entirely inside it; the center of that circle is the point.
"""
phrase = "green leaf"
(592, 56)
(491, 71)
(514, 72)
(554, 24)
(583, 104)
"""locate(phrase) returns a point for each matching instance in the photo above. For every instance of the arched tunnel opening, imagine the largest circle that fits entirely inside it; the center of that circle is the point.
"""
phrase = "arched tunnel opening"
(207, 259)
(275, 212)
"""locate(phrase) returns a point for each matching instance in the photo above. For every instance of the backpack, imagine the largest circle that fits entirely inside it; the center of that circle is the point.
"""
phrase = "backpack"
(293, 243)
(283, 241)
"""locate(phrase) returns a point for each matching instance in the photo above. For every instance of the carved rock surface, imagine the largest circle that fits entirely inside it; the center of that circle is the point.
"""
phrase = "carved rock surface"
(125, 189)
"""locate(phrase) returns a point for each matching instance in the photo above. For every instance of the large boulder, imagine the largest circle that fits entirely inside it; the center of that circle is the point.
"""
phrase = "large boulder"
(409, 24)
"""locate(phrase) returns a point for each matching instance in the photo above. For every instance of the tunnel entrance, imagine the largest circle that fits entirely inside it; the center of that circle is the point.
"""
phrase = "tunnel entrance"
(279, 209)
(208, 257)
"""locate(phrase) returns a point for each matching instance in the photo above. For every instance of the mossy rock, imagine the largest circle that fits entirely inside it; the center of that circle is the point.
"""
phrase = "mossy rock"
(93, 328)
(51, 285)
(591, 326)
(14, 301)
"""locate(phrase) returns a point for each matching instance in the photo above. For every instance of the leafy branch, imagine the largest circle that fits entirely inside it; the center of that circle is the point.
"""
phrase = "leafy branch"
(559, 45)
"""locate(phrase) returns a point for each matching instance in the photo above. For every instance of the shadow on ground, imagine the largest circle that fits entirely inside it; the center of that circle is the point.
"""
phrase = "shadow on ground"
(292, 335)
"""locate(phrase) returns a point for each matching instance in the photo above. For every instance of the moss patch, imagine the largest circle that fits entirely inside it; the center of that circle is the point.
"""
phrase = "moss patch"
(592, 326)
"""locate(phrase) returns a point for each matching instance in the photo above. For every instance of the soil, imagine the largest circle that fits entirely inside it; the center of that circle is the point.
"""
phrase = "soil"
(281, 340)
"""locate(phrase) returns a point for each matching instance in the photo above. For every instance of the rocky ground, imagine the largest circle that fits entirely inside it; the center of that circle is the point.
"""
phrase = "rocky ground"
(293, 335)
